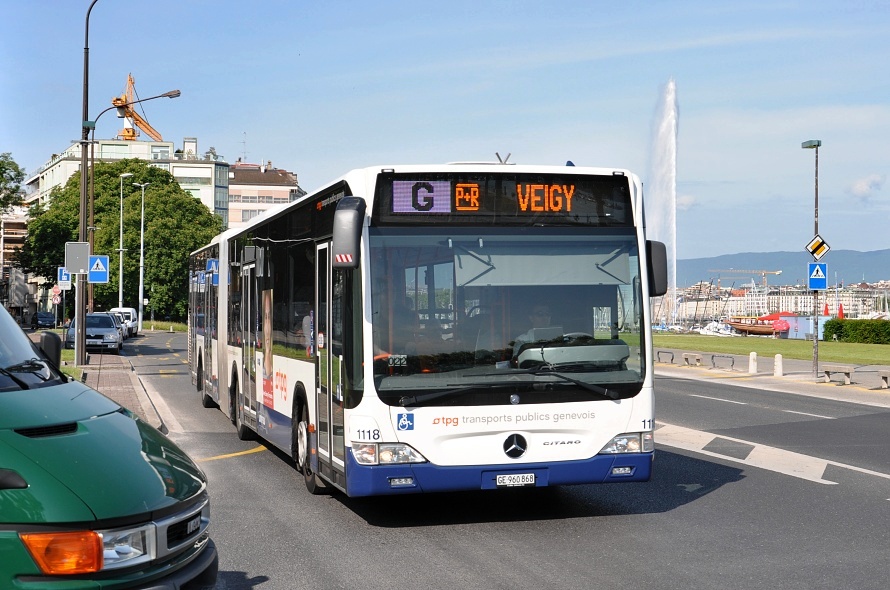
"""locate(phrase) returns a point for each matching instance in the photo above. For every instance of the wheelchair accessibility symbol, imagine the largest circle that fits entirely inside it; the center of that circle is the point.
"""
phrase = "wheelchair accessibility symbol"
(406, 422)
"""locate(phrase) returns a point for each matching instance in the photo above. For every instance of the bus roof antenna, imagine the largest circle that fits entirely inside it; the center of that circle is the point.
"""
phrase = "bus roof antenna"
(503, 161)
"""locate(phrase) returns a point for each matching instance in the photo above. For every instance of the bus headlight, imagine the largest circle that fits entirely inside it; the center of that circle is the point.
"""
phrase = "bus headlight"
(385, 453)
(630, 442)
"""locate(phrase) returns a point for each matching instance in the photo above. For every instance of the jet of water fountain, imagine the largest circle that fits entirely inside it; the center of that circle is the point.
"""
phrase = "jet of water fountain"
(661, 192)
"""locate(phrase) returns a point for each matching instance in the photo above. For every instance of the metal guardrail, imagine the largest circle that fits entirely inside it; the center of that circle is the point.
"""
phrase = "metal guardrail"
(714, 358)
(658, 354)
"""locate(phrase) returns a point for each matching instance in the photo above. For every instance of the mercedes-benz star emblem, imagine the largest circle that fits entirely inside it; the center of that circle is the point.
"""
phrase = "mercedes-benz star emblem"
(515, 446)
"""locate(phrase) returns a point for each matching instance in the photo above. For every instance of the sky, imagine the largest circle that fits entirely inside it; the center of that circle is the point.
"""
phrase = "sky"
(320, 88)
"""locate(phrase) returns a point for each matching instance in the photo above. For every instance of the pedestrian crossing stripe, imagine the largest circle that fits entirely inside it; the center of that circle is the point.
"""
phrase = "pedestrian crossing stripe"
(817, 272)
(98, 266)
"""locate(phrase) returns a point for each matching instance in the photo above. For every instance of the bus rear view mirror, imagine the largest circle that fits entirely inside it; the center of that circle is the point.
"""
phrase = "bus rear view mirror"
(656, 254)
(347, 239)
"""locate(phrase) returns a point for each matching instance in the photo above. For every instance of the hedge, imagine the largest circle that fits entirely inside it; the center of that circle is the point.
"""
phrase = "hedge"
(862, 331)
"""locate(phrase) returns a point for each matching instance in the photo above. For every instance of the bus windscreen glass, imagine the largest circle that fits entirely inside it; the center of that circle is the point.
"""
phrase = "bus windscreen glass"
(459, 315)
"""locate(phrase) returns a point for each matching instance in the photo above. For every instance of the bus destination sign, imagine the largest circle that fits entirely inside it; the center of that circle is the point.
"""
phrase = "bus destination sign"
(516, 198)
(438, 197)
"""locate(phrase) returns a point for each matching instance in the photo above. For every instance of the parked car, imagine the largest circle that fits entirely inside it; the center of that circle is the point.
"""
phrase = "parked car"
(132, 318)
(121, 324)
(101, 335)
(90, 495)
(43, 319)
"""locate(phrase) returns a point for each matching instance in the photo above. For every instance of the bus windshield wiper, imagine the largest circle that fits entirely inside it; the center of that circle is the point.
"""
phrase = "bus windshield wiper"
(413, 400)
(549, 370)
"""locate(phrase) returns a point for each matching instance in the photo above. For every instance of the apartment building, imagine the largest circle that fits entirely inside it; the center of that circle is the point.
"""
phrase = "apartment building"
(254, 188)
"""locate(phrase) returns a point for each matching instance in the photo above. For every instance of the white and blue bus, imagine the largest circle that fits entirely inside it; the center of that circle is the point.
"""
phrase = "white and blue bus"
(410, 329)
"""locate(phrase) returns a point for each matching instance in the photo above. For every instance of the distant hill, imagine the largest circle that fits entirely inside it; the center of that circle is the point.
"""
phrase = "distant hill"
(851, 267)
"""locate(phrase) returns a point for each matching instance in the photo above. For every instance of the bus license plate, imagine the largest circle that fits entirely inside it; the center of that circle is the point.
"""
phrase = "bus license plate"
(515, 479)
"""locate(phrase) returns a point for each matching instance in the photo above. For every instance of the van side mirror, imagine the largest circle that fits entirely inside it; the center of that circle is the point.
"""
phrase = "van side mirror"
(656, 255)
(51, 345)
(347, 240)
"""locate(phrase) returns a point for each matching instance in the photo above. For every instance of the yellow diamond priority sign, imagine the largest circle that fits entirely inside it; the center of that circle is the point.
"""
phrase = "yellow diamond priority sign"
(818, 247)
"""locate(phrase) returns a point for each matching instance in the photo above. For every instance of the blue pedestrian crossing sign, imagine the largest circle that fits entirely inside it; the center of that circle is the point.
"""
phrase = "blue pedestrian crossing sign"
(818, 276)
(98, 271)
(212, 268)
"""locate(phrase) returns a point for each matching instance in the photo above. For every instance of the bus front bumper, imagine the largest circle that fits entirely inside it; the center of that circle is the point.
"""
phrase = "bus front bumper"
(372, 480)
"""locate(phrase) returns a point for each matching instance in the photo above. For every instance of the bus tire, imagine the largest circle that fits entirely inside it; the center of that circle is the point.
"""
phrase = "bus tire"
(243, 432)
(206, 400)
(233, 395)
(301, 452)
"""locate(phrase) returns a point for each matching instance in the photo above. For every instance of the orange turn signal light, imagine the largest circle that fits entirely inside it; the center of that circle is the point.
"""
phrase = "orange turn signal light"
(77, 552)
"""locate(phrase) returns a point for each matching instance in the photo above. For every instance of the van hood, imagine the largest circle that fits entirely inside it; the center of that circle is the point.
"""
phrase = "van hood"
(84, 457)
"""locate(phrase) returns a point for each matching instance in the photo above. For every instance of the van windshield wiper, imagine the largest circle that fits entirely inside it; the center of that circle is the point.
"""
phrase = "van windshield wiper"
(34, 366)
(14, 379)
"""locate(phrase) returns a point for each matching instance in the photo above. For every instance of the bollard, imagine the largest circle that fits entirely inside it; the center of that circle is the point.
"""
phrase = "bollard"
(752, 363)
(171, 329)
(778, 370)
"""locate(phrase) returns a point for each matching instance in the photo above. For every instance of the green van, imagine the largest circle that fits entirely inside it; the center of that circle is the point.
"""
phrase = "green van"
(90, 495)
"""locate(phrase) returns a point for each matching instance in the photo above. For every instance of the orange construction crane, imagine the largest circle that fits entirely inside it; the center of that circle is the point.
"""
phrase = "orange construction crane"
(124, 104)
(762, 273)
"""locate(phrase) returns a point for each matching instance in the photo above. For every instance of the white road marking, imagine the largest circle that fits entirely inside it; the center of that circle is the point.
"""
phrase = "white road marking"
(762, 456)
(719, 399)
(813, 415)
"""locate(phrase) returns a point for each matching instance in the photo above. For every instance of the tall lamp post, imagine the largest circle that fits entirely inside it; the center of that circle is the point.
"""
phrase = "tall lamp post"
(120, 249)
(813, 144)
(80, 310)
(141, 250)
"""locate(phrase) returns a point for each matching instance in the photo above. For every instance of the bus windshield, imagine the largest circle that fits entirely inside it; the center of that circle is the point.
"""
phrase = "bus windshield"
(488, 316)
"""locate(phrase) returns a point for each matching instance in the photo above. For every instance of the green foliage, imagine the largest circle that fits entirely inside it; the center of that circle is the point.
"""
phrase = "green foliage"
(861, 331)
(11, 177)
(175, 224)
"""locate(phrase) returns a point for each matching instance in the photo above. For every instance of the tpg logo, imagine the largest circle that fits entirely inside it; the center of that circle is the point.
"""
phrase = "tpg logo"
(406, 422)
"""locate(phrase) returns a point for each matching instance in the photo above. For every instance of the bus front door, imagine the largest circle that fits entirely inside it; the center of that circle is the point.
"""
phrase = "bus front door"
(329, 400)
(246, 408)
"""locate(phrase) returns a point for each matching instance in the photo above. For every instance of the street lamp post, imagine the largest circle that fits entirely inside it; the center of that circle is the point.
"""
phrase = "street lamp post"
(120, 249)
(141, 250)
(80, 310)
(813, 144)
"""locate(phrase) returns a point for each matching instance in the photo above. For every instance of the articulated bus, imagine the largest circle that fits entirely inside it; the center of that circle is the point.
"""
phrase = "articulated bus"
(410, 329)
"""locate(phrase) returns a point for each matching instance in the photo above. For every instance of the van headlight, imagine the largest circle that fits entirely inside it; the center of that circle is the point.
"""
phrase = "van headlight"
(84, 552)
(630, 442)
(385, 453)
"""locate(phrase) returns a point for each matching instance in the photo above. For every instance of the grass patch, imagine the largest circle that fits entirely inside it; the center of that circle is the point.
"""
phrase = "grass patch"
(159, 326)
(834, 352)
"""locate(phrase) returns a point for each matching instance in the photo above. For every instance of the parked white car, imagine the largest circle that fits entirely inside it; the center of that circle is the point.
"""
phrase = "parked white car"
(131, 316)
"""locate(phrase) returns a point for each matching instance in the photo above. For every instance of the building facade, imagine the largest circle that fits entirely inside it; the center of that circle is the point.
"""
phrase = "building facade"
(204, 176)
(254, 188)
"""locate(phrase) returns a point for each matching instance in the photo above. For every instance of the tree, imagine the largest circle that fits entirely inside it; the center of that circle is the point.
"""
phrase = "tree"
(175, 224)
(11, 177)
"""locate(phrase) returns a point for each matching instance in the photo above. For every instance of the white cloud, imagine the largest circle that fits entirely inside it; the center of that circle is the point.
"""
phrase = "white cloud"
(864, 188)
(686, 202)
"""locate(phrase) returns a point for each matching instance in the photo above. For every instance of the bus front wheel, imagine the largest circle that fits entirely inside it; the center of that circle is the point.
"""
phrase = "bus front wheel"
(301, 453)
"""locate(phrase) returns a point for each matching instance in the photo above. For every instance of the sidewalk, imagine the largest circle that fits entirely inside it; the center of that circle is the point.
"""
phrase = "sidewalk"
(796, 377)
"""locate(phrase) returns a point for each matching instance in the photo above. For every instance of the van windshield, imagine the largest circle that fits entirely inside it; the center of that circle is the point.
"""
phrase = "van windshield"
(21, 365)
